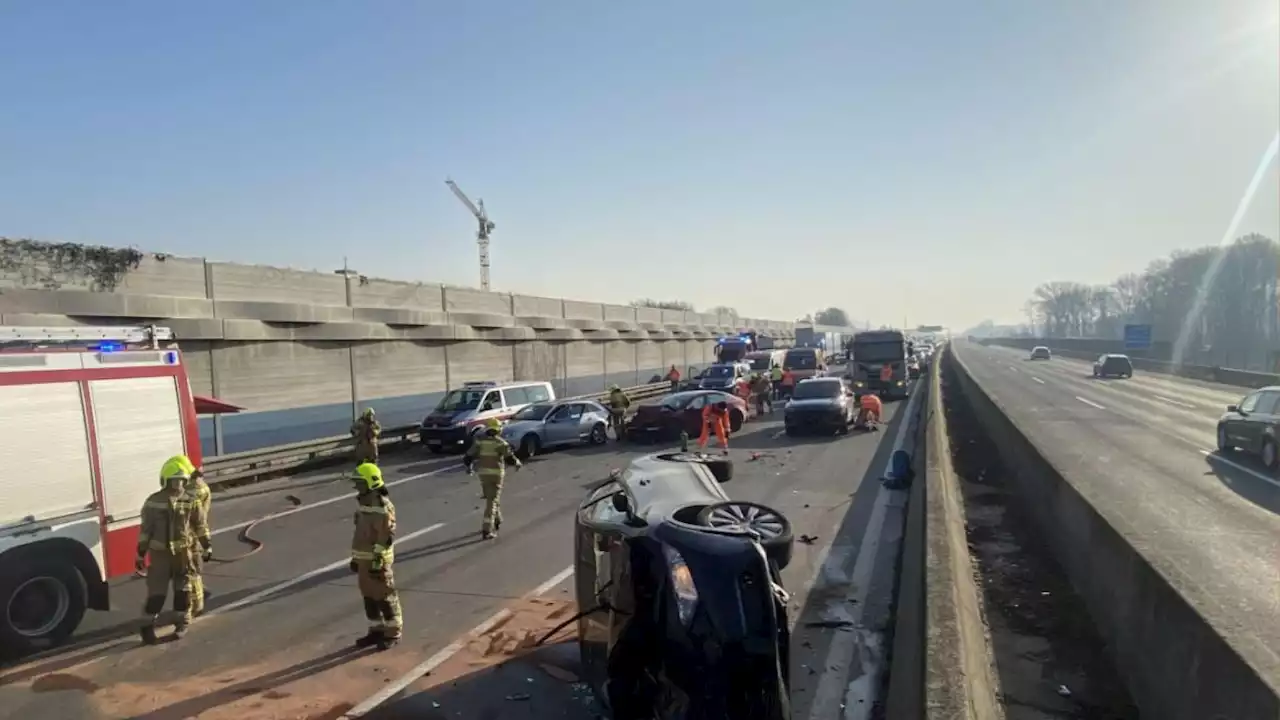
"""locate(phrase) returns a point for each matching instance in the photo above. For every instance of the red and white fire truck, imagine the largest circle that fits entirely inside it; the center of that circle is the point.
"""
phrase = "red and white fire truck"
(87, 416)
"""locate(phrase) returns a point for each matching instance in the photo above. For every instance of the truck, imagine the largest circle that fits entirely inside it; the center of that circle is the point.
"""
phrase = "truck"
(89, 415)
(832, 342)
(878, 362)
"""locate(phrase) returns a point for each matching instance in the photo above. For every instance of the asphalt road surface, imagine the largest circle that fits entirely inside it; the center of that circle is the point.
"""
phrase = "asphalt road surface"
(1143, 451)
(278, 640)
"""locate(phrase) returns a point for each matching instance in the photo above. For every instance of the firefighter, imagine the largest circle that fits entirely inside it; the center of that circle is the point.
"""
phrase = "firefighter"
(372, 555)
(199, 492)
(618, 405)
(488, 457)
(171, 527)
(366, 431)
(673, 377)
(763, 391)
(715, 418)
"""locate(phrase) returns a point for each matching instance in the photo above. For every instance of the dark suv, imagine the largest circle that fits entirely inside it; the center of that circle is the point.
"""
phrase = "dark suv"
(683, 615)
(1253, 426)
(1113, 365)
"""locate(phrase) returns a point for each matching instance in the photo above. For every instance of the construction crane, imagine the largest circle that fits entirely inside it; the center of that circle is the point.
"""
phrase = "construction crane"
(482, 236)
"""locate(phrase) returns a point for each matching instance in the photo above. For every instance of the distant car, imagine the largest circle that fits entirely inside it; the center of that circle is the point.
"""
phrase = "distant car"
(1041, 352)
(1113, 365)
(556, 424)
(913, 367)
(824, 404)
(682, 411)
(1253, 426)
(684, 614)
(723, 376)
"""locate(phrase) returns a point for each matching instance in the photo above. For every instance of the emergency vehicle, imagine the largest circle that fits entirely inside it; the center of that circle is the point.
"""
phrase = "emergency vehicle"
(87, 417)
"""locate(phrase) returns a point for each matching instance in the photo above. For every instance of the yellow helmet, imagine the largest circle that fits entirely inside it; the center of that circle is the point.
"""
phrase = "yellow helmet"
(493, 424)
(178, 467)
(367, 476)
(369, 413)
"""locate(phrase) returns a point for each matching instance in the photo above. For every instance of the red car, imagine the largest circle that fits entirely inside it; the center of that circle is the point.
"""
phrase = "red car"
(683, 411)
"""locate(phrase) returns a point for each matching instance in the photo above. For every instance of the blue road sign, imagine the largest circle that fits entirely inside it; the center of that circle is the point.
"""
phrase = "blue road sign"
(1137, 337)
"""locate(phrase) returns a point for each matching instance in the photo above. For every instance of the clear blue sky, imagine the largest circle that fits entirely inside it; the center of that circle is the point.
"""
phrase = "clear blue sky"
(749, 153)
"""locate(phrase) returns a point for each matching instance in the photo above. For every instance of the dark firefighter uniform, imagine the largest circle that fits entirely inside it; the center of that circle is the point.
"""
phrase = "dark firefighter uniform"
(488, 457)
(366, 431)
(372, 555)
(618, 405)
(171, 528)
(199, 492)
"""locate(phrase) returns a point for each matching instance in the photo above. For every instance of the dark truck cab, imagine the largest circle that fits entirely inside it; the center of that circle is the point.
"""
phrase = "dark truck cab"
(870, 353)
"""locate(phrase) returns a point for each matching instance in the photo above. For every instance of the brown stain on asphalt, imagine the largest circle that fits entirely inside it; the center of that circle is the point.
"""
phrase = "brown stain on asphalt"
(56, 682)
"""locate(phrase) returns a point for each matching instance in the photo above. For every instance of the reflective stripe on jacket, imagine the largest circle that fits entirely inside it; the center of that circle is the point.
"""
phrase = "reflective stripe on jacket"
(490, 455)
(375, 528)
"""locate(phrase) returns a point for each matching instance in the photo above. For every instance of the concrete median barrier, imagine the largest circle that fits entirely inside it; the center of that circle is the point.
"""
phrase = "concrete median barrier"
(942, 663)
(1176, 666)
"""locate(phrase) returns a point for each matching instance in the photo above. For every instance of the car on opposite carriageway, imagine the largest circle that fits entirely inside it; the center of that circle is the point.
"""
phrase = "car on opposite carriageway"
(1040, 352)
(1253, 426)
(556, 424)
(1113, 365)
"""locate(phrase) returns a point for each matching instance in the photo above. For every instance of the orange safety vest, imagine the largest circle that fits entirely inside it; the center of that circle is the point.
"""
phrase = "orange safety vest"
(886, 372)
(787, 378)
(674, 374)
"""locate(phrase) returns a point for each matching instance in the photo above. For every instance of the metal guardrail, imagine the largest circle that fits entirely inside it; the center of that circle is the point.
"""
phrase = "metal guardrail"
(232, 467)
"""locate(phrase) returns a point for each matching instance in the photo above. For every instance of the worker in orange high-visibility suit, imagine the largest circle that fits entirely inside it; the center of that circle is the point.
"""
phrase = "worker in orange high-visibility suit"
(870, 409)
(715, 418)
(886, 373)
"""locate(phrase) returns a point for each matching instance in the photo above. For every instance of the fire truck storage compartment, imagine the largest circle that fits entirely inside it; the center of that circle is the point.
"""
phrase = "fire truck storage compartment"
(139, 426)
(44, 448)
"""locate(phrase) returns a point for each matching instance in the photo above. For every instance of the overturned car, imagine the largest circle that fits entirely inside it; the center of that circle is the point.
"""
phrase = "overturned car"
(683, 614)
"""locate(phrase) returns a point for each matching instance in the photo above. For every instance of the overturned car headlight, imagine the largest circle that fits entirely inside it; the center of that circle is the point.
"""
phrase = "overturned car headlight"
(682, 583)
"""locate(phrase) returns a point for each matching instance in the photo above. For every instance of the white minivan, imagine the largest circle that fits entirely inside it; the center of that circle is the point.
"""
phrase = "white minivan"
(463, 412)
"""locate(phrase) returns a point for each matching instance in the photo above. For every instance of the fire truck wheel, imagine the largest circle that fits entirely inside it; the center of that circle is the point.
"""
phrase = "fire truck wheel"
(42, 601)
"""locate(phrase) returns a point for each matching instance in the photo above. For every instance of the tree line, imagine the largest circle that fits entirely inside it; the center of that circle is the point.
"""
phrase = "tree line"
(1219, 303)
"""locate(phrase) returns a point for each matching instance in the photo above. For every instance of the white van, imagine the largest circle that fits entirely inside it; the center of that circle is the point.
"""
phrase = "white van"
(762, 361)
(462, 412)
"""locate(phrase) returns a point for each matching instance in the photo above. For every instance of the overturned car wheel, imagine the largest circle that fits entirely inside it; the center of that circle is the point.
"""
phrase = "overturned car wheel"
(742, 518)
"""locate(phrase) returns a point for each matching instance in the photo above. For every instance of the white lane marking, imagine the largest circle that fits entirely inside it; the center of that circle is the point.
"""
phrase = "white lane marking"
(1243, 468)
(250, 599)
(398, 685)
(1090, 403)
(1038, 380)
(232, 606)
(320, 503)
(845, 691)
(1171, 401)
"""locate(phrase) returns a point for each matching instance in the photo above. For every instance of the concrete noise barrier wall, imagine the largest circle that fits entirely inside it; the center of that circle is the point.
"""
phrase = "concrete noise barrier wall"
(303, 351)
(1174, 663)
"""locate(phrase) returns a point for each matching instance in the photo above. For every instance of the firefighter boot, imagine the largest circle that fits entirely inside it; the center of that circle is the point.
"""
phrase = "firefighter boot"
(148, 634)
(371, 638)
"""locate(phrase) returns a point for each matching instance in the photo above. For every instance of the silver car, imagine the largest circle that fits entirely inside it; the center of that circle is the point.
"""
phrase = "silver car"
(556, 424)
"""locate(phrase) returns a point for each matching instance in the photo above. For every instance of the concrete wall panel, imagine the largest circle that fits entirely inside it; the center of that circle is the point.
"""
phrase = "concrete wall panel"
(390, 294)
(649, 360)
(673, 354)
(198, 358)
(673, 317)
(650, 315)
(278, 375)
(541, 360)
(532, 306)
(466, 300)
(480, 360)
(620, 363)
(584, 368)
(583, 310)
(260, 283)
(399, 367)
(624, 313)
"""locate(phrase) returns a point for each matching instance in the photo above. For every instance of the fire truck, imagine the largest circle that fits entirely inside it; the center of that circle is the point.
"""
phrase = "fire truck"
(87, 416)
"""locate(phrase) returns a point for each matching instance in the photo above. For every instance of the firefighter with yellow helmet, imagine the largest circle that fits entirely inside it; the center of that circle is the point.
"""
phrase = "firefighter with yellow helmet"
(172, 526)
(200, 494)
(488, 457)
(372, 555)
